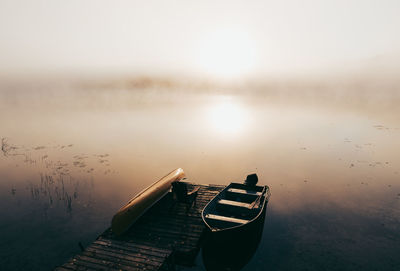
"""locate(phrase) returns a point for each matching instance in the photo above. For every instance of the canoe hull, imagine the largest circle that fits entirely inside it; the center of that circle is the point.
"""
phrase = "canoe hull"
(138, 205)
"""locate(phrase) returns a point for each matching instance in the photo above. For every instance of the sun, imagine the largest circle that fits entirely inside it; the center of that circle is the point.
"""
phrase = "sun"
(226, 53)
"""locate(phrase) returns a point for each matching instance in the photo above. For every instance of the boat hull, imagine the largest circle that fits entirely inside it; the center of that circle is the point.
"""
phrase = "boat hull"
(231, 248)
(138, 205)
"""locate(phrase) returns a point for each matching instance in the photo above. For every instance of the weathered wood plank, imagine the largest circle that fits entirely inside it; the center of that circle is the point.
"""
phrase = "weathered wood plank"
(70, 266)
(127, 254)
(121, 261)
(172, 232)
(134, 247)
(84, 263)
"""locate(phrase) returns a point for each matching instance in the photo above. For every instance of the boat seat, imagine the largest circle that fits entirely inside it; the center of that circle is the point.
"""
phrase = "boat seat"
(226, 219)
(243, 191)
(235, 203)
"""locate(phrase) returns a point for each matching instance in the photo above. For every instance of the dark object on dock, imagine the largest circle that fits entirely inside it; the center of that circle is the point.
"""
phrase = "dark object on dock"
(179, 189)
(235, 221)
(181, 194)
(161, 238)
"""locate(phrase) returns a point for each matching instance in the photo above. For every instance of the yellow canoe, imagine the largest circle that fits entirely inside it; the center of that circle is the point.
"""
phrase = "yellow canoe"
(137, 206)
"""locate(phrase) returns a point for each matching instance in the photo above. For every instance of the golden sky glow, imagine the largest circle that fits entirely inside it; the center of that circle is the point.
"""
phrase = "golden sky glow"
(219, 38)
(227, 53)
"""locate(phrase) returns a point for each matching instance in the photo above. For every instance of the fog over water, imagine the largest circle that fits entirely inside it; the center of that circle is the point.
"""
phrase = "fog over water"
(73, 152)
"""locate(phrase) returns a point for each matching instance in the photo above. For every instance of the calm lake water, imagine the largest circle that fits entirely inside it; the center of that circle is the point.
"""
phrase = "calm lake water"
(72, 156)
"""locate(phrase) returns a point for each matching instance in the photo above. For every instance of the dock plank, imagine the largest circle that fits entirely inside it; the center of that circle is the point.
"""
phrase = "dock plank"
(168, 233)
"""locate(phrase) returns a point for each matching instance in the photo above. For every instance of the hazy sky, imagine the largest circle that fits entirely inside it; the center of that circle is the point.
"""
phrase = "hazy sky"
(214, 37)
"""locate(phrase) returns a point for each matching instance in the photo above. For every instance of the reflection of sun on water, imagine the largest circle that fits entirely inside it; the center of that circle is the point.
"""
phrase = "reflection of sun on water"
(227, 53)
(227, 117)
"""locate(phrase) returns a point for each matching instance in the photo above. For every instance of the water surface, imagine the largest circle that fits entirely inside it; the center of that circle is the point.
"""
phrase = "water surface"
(71, 157)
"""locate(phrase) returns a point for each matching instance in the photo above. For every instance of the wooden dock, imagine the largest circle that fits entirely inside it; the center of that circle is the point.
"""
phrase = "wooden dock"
(168, 234)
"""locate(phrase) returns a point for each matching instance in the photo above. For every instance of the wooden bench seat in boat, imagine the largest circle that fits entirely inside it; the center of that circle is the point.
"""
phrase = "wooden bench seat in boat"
(235, 203)
(243, 191)
(221, 218)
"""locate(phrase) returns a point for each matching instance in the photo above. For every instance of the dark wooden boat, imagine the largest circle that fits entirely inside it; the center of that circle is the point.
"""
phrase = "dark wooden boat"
(235, 221)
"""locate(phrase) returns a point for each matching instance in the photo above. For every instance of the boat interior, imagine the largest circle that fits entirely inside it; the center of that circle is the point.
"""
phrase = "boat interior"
(236, 205)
